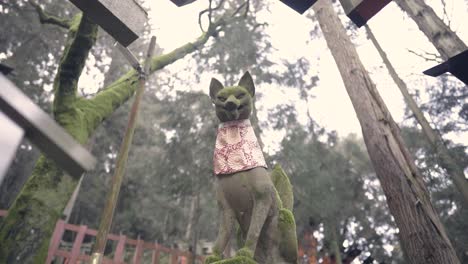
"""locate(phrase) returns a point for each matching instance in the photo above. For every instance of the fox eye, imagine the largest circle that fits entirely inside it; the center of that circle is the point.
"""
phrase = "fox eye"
(241, 95)
(222, 99)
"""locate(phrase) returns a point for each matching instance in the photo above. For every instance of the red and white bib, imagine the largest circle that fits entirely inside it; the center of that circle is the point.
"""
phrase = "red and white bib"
(237, 148)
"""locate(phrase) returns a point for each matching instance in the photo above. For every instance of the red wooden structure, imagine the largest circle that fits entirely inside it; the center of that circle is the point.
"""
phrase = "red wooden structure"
(3, 213)
(123, 245)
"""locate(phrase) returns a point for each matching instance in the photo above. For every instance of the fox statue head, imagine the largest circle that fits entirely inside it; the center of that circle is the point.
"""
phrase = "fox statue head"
(233, 102)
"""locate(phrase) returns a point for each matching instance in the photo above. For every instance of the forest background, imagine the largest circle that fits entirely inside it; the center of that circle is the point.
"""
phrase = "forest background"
(306, 120)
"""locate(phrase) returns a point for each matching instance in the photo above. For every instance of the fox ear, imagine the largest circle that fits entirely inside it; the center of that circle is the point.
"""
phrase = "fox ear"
(215, 87)
(247, 82)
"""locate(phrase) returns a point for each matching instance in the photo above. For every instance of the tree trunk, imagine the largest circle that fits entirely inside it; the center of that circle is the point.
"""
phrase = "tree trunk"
(422, 235)
(331, 235)
(445, 159)
(439, 34)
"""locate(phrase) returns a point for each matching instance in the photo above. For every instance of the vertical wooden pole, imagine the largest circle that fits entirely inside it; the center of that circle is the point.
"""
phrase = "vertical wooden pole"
(112, 197)
(55, 240)
(120, 250)
(155, 257)
(138, 251)
(76, 249)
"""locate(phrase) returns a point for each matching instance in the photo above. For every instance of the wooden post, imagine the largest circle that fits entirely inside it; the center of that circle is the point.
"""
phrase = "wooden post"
(120, 250)
(112, 197)
(174, 256)
(55, 240)
(76, 249)
(155, 256)
(138, 251)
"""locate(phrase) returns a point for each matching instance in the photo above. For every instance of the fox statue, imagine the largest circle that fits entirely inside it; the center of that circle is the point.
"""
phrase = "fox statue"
(247, 193)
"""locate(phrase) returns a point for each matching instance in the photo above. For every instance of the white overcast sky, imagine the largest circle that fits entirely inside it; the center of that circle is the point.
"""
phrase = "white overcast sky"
(331, 106)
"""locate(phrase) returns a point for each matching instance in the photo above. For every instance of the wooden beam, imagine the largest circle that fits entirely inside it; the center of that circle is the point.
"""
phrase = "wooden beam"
(10, 140)
(43, 131)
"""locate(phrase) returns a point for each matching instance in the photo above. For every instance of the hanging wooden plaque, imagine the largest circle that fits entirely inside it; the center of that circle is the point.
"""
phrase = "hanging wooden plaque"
(122, 19)
(457, 65)
(182, 2)
(360, 11)
(299, 5)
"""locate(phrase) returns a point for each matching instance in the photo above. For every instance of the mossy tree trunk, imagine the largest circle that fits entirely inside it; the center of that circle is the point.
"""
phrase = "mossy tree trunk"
(25, 233)
(423, 237)
(446, 160)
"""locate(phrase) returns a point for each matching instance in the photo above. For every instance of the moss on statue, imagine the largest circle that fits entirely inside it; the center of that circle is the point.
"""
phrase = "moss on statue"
(283, 186)
(288, 243)
(243, 256)
(237, 260)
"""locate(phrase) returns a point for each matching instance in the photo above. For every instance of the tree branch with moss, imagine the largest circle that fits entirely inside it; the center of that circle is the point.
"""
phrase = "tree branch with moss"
(46, 18)
(113, 96)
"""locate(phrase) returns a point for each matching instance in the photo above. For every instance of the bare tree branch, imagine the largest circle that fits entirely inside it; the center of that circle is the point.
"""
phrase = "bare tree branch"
(46, 18)
(428, 56)
(209, 10)
(444, 5)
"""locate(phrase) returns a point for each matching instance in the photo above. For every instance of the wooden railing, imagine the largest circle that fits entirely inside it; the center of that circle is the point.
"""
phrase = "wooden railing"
(124, 244)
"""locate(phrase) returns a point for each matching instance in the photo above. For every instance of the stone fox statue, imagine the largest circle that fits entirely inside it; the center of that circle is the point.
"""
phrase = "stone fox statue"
(259, 201)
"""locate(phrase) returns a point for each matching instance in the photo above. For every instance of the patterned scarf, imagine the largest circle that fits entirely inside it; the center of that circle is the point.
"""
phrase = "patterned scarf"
(237, 148)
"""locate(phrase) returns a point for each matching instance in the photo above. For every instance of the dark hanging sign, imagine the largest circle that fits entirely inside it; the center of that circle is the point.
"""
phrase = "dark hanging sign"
(457, 65)
(5, 69)
(360, 11)
(299, 5)
(21, 115)
(122, 19)
(182, 2)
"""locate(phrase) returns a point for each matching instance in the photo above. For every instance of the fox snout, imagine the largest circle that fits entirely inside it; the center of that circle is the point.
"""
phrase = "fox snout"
(231, 103)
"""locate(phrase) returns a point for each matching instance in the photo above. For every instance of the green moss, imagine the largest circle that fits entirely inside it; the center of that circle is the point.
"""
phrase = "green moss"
(213, 259)
(34, 213)
(81, 37)
(244, 252)
(240, 240)
(237, 260)
(288, 243)
(283, 186)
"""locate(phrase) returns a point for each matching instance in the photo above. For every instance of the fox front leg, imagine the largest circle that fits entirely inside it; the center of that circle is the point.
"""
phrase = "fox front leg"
(226, 226)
